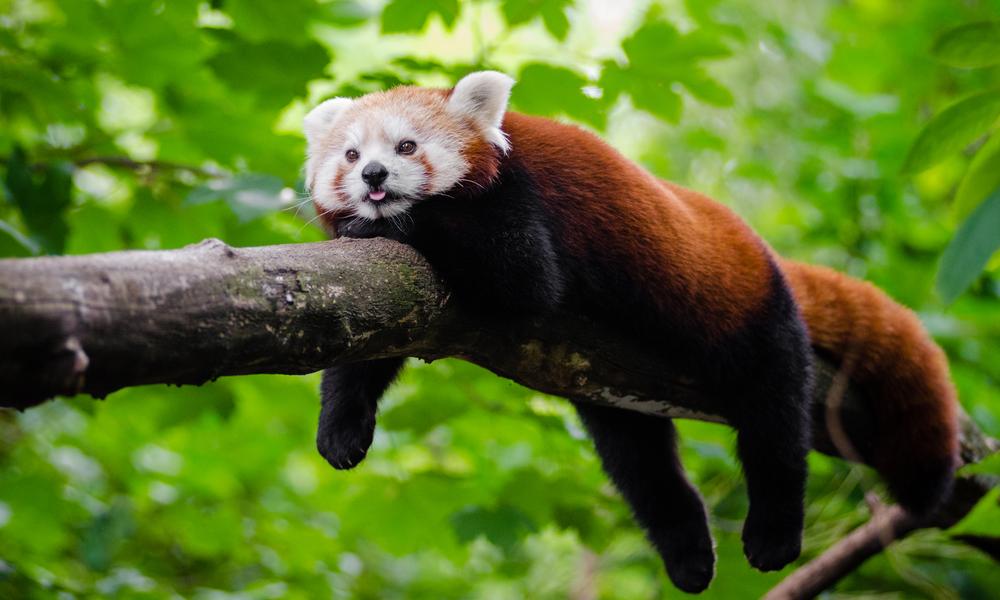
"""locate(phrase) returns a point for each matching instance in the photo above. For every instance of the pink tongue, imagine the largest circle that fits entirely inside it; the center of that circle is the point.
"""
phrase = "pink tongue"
(376, 195)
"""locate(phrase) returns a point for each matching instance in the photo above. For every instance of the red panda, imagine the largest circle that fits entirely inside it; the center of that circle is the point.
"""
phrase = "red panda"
(525, 216)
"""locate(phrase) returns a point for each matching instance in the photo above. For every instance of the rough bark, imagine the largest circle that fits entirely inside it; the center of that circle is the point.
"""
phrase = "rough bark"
(95, 324)
(98, 323)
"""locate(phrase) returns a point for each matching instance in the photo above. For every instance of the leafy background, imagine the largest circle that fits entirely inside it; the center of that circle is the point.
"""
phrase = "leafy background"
(154, 124)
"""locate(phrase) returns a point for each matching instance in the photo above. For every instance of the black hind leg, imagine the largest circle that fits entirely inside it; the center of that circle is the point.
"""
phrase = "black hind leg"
(350, 396)
(639, 454)
(772, 441)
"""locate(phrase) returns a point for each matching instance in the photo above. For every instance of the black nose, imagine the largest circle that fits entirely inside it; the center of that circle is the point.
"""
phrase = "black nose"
(374, 173)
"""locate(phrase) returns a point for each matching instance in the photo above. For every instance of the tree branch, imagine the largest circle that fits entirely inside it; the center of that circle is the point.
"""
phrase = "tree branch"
(125, 162)
(889, 524)
(98, 323)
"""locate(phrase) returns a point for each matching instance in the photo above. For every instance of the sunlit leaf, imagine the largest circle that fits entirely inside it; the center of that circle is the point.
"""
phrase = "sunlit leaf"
(346, 12)
(660, 59)
(649, 94)
(401, 16)
(552, 12)
(952, 129)
(984, 519)
(548, 90)
(970, 45)
(988, 466)
(982, 177)
(555, 20)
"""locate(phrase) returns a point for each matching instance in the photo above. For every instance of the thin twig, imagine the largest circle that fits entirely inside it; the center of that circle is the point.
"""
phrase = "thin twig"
(145, 165)
(887, 525)
(124, 162)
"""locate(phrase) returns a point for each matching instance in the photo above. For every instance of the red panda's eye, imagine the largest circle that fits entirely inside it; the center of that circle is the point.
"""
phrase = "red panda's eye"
(352, 155)
(407, 147)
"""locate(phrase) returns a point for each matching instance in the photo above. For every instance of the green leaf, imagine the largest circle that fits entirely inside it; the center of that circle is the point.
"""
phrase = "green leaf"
(42, 204)
(984, 519)
(971, 45)
(14, 243)
(649, 94)
(250, 195)
(103, 539)
(552, 12)
(982, 177)
(519, 12)
(346, 13)
(503, 526)
(286, 21)
(273, 71)
(707, 89)
(659, 57)
(153, 44)
(555, 20)
(402, 16)
(20, 183)
(971, 248)
(658, 46)
(548, 90)
(987, 466)
(953, 129)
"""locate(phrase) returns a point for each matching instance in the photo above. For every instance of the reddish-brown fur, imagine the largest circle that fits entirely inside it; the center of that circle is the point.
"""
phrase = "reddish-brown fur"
(894, 362)
(686, 246)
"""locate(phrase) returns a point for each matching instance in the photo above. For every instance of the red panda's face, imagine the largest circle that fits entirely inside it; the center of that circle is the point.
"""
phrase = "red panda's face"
(373, 157)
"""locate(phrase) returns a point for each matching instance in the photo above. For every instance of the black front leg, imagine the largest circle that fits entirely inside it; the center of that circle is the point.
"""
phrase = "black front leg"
(639, 453)
(350, 395)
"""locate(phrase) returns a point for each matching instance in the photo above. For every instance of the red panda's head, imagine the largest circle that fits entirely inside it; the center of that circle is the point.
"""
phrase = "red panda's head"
(377, 155)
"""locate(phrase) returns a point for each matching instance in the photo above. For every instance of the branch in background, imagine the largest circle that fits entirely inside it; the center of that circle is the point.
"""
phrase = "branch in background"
(889, 524)
(102, 322)
(124, 162)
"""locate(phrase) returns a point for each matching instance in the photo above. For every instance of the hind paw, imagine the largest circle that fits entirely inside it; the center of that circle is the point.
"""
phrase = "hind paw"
(344, 445)
(689, 557)
(771, 543)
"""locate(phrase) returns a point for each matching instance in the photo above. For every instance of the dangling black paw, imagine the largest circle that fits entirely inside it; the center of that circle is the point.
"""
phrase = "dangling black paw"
(689, 556)
(345, 442)
(770, 542)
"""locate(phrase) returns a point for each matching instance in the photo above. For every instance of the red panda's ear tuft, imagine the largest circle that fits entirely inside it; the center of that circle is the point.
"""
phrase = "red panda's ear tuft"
(320, 118)
(482, 96)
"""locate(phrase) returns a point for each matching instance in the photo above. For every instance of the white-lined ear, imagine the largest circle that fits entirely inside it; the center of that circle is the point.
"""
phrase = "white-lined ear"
(320, 118)
(482, 96)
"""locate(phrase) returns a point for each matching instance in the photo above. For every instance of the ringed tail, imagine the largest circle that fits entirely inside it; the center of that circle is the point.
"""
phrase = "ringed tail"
(898, 369)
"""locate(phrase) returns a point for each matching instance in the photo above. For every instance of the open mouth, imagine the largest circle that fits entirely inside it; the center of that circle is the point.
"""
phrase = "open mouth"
(380, 195)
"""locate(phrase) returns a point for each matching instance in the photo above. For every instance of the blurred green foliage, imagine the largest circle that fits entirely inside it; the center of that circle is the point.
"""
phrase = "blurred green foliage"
(153, 124)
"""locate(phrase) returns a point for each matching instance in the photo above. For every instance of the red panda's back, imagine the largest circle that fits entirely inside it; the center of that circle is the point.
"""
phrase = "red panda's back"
(682, 246)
